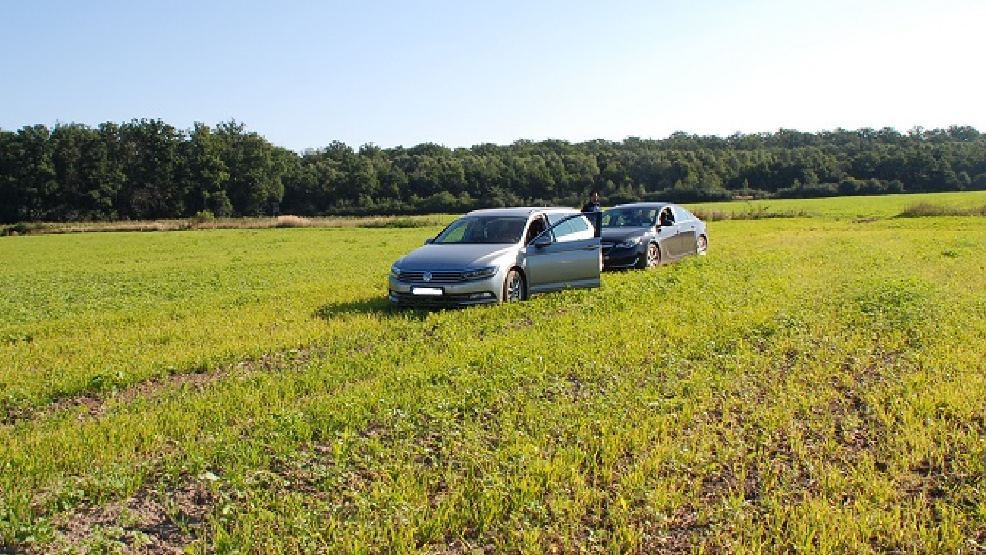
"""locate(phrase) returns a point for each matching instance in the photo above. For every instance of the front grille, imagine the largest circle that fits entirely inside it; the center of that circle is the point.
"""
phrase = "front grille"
(436, 277)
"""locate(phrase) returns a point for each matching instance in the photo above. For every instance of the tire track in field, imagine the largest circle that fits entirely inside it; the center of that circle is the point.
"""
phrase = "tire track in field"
(94, 405)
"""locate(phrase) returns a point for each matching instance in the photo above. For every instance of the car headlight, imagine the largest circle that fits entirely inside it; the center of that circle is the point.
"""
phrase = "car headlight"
(480, 273)
(395, 271)
(631, 242)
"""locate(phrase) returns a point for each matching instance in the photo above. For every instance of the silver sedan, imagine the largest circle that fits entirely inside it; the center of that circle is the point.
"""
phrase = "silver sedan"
(499, 255)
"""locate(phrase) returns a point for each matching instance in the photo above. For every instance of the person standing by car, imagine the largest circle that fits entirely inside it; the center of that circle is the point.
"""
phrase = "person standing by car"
(593, 204)
(594, 213)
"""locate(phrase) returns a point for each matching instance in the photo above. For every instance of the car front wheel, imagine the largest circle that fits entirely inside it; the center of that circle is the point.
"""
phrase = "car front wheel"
(651, 258)
(514, 288)
(701, 245)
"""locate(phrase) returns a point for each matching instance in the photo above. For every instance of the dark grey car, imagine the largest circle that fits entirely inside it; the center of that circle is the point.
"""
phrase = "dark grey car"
(646, 234)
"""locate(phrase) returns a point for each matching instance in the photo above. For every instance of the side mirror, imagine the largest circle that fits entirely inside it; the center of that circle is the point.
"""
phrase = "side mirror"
(429, 240)
(542, 241)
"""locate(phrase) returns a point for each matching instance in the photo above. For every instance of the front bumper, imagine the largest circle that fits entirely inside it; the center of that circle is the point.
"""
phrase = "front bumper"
(622, 257)
(464, 293)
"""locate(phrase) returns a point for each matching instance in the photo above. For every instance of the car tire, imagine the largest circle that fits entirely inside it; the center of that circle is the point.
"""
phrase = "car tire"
(651, 257)
(514, 287)
(701, 245)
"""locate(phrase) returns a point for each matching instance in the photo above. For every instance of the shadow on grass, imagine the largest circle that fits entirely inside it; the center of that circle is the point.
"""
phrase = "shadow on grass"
(380, 306)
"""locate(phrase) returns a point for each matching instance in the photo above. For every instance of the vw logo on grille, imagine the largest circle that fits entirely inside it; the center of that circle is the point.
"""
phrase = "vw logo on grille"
(426, 276)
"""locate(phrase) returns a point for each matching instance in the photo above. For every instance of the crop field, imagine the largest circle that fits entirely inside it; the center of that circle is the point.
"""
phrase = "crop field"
(859, 209)
(817, 384)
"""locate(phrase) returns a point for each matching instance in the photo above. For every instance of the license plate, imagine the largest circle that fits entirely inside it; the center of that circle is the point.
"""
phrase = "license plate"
(434, 291)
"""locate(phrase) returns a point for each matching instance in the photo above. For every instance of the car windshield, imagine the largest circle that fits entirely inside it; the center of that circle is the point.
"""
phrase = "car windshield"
(482, 229)
(629, 217)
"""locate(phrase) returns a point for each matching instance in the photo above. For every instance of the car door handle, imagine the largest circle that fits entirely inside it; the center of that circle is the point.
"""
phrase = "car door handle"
(588, 248)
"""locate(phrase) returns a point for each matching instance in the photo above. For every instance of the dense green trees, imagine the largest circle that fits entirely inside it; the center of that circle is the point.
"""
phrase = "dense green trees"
(149, 169)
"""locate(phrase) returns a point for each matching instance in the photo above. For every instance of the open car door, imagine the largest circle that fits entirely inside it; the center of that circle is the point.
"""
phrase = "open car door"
(566, 255)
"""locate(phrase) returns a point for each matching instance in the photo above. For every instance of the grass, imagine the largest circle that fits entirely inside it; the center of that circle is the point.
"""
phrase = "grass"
(811, 385)
(187, 224)
(865, 208)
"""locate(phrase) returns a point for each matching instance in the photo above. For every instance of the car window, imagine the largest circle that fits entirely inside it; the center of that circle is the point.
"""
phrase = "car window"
(667, 216)
(454, 234)
(555, 217)
(629, 217)
(483, 229)
(681, 215)
(574, 229)
(536, 228)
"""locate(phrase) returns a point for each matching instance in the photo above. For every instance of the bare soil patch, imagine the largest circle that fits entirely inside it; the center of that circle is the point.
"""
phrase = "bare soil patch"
(152, 521)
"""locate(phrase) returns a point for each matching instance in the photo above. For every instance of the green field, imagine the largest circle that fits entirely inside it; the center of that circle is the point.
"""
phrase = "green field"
(854, 208)
(815, 384)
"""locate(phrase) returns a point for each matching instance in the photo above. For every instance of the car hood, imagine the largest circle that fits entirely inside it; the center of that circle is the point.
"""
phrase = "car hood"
(617, 234)
(453, 257)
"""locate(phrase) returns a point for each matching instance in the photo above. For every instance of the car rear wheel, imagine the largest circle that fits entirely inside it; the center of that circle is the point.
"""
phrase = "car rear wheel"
(514, 288)
(651, 258)
(701, 245)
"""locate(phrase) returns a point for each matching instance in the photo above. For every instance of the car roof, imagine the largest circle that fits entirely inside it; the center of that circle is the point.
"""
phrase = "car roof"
(643, 205)
(523, 211)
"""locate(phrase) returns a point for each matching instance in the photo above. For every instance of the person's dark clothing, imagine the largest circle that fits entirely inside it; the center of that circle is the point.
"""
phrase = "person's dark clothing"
(591, 207)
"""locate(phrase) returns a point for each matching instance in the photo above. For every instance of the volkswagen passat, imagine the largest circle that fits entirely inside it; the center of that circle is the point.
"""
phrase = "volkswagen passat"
(500, 255)
(646, 234)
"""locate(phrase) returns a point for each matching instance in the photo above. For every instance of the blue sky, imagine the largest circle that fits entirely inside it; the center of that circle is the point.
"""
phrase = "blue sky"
(460, 73)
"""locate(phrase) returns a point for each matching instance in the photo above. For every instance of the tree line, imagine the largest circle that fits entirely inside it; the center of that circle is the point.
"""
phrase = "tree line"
(146, 169)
